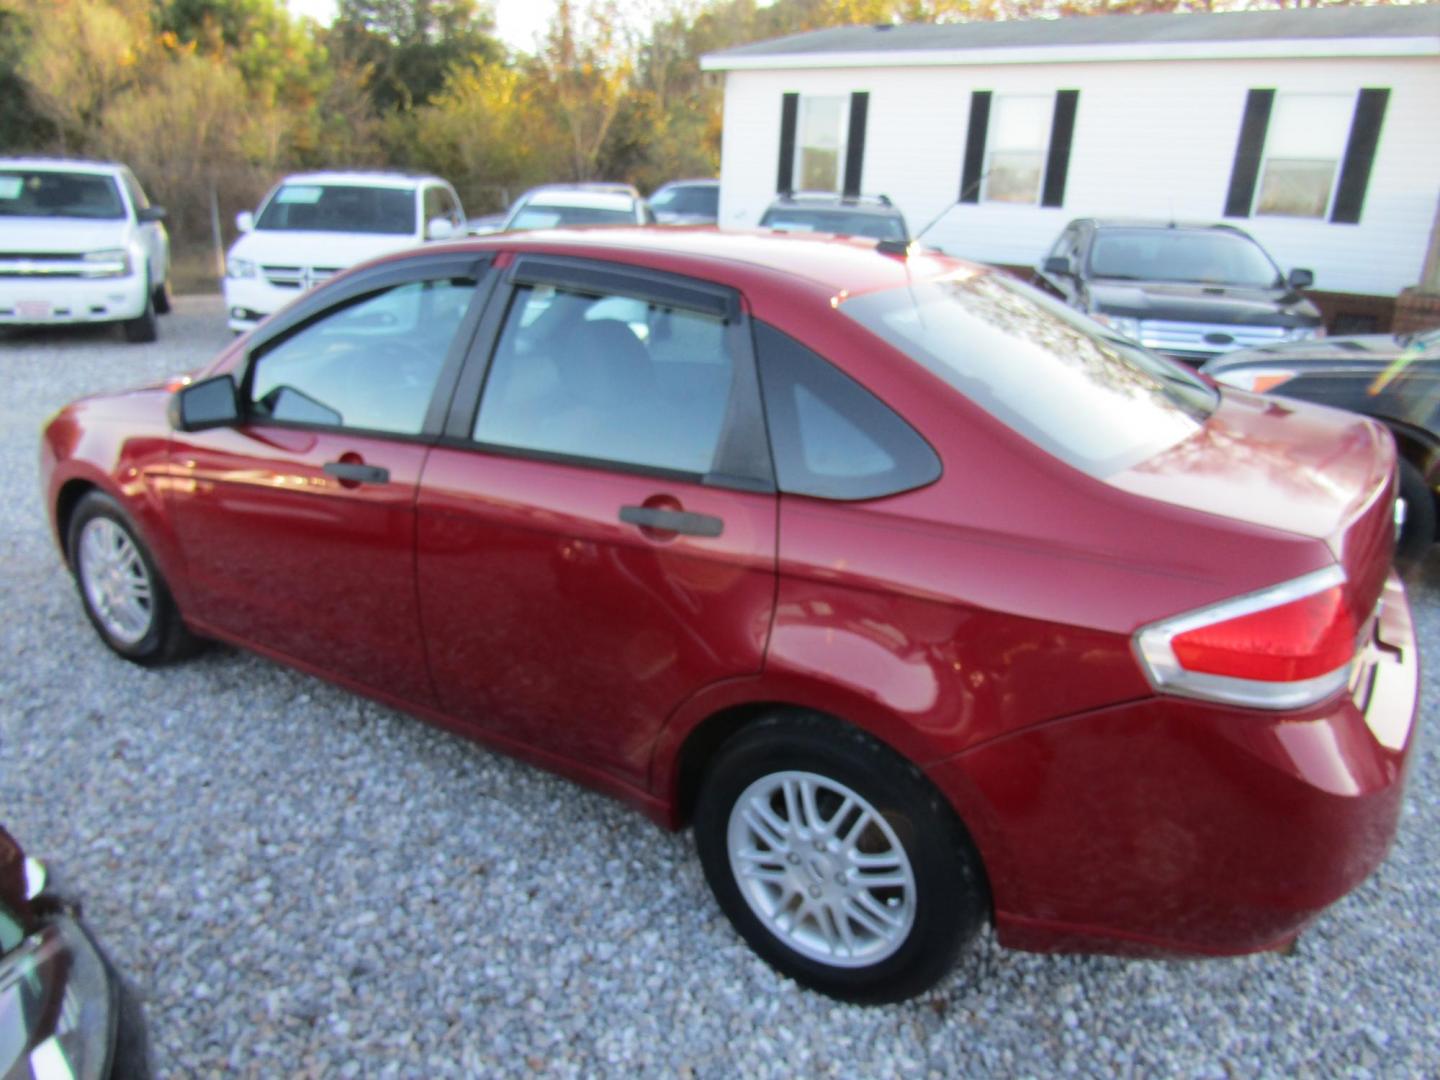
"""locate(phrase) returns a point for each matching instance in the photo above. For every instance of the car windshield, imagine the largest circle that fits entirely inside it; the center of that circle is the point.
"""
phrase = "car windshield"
(688, 199)
(343, 208)
(51, 194)
(553, 217)
(1091, 398)
(839, 222)
(1188, 255)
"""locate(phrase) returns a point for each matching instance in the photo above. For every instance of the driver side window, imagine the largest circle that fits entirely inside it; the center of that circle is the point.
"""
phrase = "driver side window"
(372, 364)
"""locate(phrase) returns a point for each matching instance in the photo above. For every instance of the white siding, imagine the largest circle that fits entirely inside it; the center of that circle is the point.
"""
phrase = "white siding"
(1152, 139)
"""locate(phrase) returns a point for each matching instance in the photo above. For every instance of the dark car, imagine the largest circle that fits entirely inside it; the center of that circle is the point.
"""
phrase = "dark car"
(64, 1010)
(1394, 378)
(843, 215)
(1188, 291)
(687, 202)
(925, 599)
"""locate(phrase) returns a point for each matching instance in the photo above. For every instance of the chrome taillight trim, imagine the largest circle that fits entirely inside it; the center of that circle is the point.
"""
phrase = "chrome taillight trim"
(1157, 658)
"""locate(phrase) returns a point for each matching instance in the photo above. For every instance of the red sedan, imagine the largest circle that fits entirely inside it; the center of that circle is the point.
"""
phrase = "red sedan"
(925, 599)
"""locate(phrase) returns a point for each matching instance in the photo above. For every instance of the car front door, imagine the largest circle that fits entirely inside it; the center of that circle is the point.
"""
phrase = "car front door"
(298, 524)
(596, 540)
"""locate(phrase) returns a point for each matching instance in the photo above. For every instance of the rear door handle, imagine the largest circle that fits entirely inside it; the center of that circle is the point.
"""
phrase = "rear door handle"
(676, 521)
(357, 473)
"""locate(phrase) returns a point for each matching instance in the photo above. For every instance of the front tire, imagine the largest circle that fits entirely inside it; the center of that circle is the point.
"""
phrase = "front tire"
(142, 329)
(125, 598)
(836, 860)
(1417, 531)
(161, 298)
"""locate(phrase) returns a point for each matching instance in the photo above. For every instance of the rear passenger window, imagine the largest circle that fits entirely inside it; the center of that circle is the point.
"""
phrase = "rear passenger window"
(609, 378)
(831, 437)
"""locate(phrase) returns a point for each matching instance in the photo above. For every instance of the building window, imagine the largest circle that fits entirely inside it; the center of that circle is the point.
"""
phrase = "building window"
(1304, 144)
(820, 146)
(1019, 133)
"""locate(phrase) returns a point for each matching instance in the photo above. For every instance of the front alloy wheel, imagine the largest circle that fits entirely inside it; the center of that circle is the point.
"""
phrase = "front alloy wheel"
(116, 581)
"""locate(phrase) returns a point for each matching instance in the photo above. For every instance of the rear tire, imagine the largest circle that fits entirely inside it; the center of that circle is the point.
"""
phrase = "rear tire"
(125, 598)
(837, 860)
(1417, 532)
(142, 329)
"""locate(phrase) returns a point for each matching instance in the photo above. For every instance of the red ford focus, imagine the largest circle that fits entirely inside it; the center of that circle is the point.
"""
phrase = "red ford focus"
(925, 599)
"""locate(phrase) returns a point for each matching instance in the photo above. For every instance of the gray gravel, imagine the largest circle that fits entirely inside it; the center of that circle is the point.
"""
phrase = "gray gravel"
(305, 883)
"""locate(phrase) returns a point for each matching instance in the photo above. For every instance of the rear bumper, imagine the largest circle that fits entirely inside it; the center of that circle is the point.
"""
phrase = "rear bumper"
(52, 301)
(1166, 827)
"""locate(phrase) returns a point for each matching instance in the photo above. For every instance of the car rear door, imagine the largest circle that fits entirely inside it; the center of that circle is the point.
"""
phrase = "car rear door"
(298, 524)
(597, 530)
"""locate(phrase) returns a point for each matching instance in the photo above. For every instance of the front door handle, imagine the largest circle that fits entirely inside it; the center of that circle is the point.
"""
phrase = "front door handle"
(675, 521)
(355, 472)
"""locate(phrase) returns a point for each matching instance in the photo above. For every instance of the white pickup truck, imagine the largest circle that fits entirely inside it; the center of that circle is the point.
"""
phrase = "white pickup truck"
(80, 243)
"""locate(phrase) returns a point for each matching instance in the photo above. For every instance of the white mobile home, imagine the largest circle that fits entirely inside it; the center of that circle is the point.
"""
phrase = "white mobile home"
(1317, 130)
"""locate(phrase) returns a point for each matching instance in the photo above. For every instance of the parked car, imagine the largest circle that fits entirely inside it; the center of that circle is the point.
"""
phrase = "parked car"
(1188, 291)
(1393, 377)
(687, 202)
(486, 224)
(843, 215)
(313, 225)
(64, 1009)
(80, 243)
(977, 611)
(556, 206)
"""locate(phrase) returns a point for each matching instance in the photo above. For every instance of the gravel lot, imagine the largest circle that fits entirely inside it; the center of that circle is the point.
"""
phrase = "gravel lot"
(305, 883)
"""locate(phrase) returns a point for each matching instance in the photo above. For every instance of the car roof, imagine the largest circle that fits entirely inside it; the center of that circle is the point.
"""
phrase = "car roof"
(697, 182)
(361, 178)
(879, 205)
(65, 164)
(586, 197)
(738, 258)
(1151, 223)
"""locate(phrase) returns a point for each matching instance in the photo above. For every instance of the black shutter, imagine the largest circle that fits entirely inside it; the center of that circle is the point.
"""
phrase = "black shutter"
(855, 145)
(1359, 156)
(975, 147)
(789, 110)
(1062, 132)
(1249, 148)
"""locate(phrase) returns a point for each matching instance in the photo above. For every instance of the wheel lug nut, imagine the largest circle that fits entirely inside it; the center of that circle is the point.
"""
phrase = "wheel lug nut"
(819, 845)
(793, 859)
(815, 891)
(840, 878)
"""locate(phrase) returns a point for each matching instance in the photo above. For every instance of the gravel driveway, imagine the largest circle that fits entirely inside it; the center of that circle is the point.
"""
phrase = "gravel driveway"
(305, 883)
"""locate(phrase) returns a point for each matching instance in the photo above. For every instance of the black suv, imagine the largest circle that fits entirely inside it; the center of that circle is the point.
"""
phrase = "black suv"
(845, 215)
(1189, 291)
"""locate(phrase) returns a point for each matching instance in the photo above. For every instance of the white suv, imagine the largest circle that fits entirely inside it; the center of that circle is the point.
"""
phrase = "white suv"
(314, 225)
(80, 243)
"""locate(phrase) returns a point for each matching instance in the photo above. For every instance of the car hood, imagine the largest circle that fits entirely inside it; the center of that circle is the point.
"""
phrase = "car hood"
(283, 247)
(1180, 302)
(1287, 465)
(61, 236)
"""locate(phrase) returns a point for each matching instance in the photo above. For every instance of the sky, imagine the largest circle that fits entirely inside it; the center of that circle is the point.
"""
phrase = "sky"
(518, 22)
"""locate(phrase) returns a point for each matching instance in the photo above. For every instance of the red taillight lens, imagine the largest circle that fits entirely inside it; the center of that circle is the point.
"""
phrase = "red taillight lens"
(1300, 640)
(1285, 647)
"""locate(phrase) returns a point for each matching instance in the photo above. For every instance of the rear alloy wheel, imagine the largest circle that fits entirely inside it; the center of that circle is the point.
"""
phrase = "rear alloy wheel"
(142, 329)
(1415, 507)
(124, 596)
(837, 860)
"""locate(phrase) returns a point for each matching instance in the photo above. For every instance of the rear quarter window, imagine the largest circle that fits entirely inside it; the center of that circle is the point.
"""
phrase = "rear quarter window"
(831, 437)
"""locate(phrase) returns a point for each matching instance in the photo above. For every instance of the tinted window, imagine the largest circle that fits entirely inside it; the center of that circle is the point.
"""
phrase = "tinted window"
(554, 217)
(371, 364)
(38, 193)
(831, 437)
(340, 208)
(609, 378)
(840, 222)
(1181, 255)
(696, 199)
(1089, 397)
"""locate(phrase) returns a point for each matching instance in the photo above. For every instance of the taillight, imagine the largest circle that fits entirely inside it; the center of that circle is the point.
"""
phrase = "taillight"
(1281, 648)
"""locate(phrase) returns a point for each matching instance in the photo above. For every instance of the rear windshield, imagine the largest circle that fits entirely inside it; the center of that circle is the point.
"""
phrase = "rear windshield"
(1090, 398)
(840, 222)
(1213, 258)
(694, 199)
(40, 193)
(553, 217)
(340, 208)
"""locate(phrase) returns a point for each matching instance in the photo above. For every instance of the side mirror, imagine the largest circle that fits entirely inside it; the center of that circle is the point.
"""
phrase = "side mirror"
(150, 213)
(1301, 279)
(210, 403)
(439, 228)
(1058, 264)
(245, 221)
